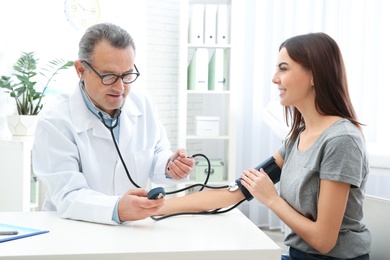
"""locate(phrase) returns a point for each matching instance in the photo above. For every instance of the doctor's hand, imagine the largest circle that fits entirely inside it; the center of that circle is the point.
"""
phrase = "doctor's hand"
(179, 165)
(259, 184)
(135, 205)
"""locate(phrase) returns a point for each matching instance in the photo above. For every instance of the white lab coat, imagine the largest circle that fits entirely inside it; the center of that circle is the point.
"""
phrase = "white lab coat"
(74, 155)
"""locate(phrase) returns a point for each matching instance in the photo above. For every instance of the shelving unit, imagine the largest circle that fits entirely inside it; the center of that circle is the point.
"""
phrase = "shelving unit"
(221, 148)
(19, 188)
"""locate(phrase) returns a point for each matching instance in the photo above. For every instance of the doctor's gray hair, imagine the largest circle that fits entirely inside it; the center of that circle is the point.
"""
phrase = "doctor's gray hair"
(115, 35)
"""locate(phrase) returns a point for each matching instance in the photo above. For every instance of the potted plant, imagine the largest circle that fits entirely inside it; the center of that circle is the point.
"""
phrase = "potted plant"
(21, 86)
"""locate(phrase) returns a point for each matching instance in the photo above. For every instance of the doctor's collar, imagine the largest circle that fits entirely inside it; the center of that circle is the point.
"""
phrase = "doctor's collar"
(95, 110)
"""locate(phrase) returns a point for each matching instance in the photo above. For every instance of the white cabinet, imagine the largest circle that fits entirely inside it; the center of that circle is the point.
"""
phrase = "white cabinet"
(207, 86)
(18, 185)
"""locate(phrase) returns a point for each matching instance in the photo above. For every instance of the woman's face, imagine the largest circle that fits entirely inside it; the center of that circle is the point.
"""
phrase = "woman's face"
(295, 84)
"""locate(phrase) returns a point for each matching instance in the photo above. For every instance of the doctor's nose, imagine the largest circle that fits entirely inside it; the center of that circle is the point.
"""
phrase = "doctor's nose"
(119, 86)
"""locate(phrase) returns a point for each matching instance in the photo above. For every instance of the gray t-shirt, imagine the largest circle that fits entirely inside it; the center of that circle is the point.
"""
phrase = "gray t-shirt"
(339, 154)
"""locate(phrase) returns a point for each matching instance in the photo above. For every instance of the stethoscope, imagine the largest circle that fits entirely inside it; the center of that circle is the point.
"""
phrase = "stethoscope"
(159, 192)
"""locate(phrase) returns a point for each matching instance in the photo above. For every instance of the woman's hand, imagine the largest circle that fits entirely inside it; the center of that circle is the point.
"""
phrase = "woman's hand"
(259, 185)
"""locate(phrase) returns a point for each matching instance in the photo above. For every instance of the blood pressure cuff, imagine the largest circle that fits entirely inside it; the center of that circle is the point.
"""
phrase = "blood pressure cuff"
(270, 167)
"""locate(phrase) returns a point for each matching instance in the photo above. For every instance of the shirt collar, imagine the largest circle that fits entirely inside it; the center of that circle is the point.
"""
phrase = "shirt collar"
(95, 110)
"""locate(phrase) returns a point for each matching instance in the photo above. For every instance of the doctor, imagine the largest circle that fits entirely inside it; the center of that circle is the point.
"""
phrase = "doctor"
(74, 154)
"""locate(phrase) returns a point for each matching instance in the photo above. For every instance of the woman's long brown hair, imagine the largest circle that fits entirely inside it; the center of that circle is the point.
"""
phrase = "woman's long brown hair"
(320, 54)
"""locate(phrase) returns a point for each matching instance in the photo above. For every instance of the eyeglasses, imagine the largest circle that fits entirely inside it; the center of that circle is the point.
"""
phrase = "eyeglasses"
(109, 79)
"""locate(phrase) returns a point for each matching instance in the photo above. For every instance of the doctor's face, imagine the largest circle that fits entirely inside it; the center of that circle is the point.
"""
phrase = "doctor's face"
(108, 60)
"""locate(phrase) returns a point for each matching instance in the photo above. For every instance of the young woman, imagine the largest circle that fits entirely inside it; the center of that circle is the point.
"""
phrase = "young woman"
(323, 162)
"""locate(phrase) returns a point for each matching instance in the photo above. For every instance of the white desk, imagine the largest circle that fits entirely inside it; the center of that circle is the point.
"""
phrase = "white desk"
(224, 236)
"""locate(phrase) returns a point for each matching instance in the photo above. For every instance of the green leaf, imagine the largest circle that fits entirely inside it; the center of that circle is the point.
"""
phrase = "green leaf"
(28, 99)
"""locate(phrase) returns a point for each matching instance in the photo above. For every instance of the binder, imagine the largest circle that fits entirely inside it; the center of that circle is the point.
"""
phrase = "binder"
(22, 232)
(198, 70)
(196, 25)
(222, 24)
(218, 70)
(210, 24)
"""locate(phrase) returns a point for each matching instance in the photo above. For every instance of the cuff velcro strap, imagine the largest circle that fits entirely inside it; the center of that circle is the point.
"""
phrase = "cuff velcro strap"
(247, 194)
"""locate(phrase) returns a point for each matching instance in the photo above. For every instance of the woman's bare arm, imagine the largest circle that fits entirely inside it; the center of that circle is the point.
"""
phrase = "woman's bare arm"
(207, 199)
(201, 201)
(321, 234)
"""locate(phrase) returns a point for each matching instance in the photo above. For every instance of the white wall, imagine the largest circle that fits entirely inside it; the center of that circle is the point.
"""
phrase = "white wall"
(162, 41)
(41, 26)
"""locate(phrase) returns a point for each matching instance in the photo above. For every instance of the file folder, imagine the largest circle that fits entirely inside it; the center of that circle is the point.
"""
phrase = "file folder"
(198, 70)
(210, 24)
(218, 70)
(22, 232)
(196, 25)
(222, 30)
